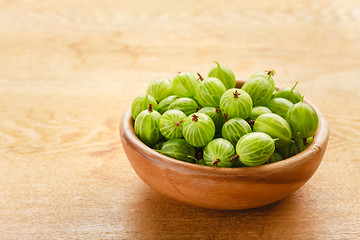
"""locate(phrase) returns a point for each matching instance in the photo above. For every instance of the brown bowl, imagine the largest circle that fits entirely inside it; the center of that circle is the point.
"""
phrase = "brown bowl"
(223, 188)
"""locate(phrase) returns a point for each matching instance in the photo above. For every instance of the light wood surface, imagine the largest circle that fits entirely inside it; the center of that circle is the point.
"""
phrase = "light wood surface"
(70, 69)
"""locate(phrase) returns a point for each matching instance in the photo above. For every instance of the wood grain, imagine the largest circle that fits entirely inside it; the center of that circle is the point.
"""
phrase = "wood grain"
(70, 69)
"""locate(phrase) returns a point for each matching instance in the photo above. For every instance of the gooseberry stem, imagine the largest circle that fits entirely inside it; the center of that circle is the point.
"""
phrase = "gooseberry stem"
(195, 117)
(218, 110)
(302, 99)
(234, 158)
(251, 123)
(226, 116)
(216, 162)
(236, 94)
(191, 157)
(150, 107)
(270, 73)
(292, 89)
(178, 123)
(218, 65)
(200, 77)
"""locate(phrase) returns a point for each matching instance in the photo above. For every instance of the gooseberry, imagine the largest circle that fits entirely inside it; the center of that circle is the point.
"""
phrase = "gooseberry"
(159, 145)
(257, 111)
(236, 103)
(274, 93)
(184, 84)
(234, 129)
(255, 148)
(289, 93)
(201, 162)
(215, 115)
(275, 126)
(260, 87)
(224, 74)
(146, 126)
(186, 105)
(302, 119)
(209, 91)
(179, 149)
(279, 106)
(291, 148)
(198, 129)
(275, 157)
(164, 104)
(219, 153)
(141, 103)
(170, 124)
(160, 88)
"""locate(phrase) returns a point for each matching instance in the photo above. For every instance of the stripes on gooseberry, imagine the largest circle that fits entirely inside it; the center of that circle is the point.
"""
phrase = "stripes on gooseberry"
(209, 91)
(179, 149)
(234, 129)
(198, 129)
(236, 103)
(255, 148)
(147, 126)
(302, 119)
(169, 124)
(219, 153)
(275, 126)
(160, 88)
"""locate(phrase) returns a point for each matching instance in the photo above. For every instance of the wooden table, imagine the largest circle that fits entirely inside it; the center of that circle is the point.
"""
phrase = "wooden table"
(69, 70)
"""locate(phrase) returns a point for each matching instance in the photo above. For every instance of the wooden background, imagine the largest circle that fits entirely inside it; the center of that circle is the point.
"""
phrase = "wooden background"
(69, 70)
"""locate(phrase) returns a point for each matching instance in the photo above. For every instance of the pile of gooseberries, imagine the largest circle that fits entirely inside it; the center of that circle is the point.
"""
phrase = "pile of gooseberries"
(208, 121)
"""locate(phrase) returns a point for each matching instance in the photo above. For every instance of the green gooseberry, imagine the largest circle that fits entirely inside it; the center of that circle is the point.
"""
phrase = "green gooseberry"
(275, 157)
(216, 115)
(275, 126)
(219, 153)
(170, 124)
(274, 93)
(160, 88)
(184, 84)
(260, 87)
(159, 145)
(186, 105)
(201, 162)
(255, 148)
(234, 129)
(291, 148)
(279, 106)
(146, 126)
(257, 111)
(164, 104)
(198, 129)
(236, 103)
(237, 163)
(224, 74)
(179, 149)
(289, 93)
(308, 141)
(302, 119)
(141, 103)
(209, 91)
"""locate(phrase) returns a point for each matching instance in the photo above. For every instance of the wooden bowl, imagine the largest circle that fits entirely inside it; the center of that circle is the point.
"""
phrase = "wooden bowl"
(223, 188)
